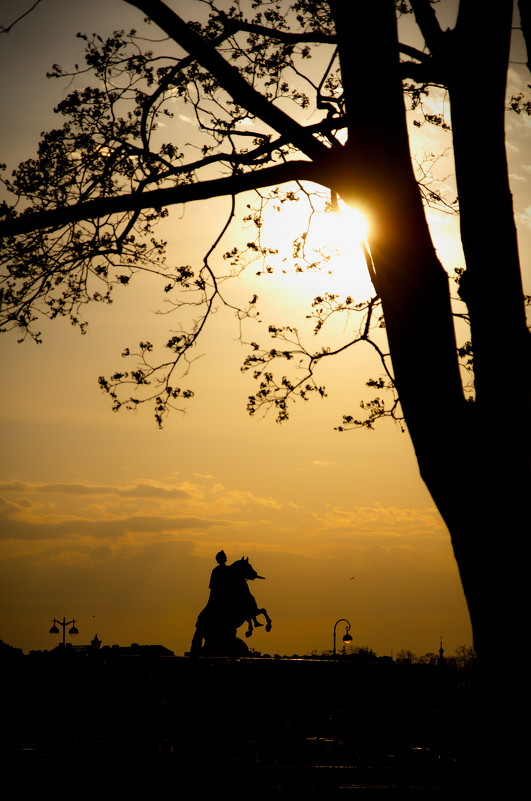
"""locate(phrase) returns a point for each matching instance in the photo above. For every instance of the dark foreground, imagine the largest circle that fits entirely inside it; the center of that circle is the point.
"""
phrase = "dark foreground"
(253, 727)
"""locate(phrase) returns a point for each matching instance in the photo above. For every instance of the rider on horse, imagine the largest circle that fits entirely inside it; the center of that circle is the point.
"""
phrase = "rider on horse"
(229, 605)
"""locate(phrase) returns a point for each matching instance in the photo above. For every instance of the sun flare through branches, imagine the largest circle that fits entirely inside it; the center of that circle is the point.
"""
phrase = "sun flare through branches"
(324, 247)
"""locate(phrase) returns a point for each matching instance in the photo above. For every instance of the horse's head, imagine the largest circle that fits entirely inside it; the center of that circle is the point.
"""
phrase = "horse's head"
(245, 570)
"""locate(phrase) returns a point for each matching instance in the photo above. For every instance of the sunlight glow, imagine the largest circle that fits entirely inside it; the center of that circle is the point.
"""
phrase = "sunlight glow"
(351, 223)
(327, 255)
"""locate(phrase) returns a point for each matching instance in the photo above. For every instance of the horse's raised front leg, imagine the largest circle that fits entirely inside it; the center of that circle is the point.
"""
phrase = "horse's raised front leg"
(269, 622)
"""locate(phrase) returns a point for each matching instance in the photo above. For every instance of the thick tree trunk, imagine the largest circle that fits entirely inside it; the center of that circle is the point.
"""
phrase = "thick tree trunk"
(477, 476)
(489, 540)
(409, 278)
(492, 289)
(473, 457)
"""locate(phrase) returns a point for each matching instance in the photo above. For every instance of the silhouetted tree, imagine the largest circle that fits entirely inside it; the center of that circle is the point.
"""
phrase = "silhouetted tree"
(406, 655)
(428, 659)
(464, 658)
(88, 204)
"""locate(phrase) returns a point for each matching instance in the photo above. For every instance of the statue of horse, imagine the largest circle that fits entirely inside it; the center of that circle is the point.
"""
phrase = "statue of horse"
(229, 606)
(244, 601)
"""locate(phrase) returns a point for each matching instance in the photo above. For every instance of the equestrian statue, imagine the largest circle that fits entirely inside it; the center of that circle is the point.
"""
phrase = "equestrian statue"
(229, 606)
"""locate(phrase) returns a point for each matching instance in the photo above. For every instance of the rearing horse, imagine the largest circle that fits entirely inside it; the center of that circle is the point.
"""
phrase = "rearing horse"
(229, 606)
(244, 600)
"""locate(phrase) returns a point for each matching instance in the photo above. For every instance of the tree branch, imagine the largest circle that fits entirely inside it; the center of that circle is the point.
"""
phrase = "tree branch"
(313, 37)
(429, 25)
(157, 198)
(25, 14)
(229, 77)
(413, 52)
(284, 36)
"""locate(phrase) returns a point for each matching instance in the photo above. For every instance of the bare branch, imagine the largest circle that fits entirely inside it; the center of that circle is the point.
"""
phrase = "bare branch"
(229, 77)
(157, 198)
(285, 36)
(428, 24)
(25, 14)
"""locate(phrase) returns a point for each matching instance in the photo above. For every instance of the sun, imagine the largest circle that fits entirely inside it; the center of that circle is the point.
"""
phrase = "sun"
(341, 234)
(319, 250)
(346, 228)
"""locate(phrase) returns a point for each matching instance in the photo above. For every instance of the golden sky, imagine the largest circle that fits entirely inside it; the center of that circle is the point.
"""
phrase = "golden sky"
(109, 520)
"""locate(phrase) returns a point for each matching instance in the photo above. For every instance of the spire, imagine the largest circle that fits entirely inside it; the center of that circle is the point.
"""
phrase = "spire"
(441, 660)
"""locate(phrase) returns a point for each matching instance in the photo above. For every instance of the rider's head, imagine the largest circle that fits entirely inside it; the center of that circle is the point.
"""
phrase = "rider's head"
(221, 557)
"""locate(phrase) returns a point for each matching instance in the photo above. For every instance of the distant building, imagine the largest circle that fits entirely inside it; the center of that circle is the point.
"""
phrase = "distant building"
(135, 650)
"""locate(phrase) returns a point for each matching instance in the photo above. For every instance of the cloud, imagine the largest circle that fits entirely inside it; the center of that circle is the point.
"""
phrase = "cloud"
(141, 490)
(8, 507)
(202, 499)
(239, 498)
(389, 518)
(143, 511)
(68, 527)
(210, 516)
(524, 217)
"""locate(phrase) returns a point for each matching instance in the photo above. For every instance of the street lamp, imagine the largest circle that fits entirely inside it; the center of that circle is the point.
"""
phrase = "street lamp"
(346, 637)
(54, 631)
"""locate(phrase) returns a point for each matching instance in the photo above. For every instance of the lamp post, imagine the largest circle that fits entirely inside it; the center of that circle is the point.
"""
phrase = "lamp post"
(54, 631)
(346, 637)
